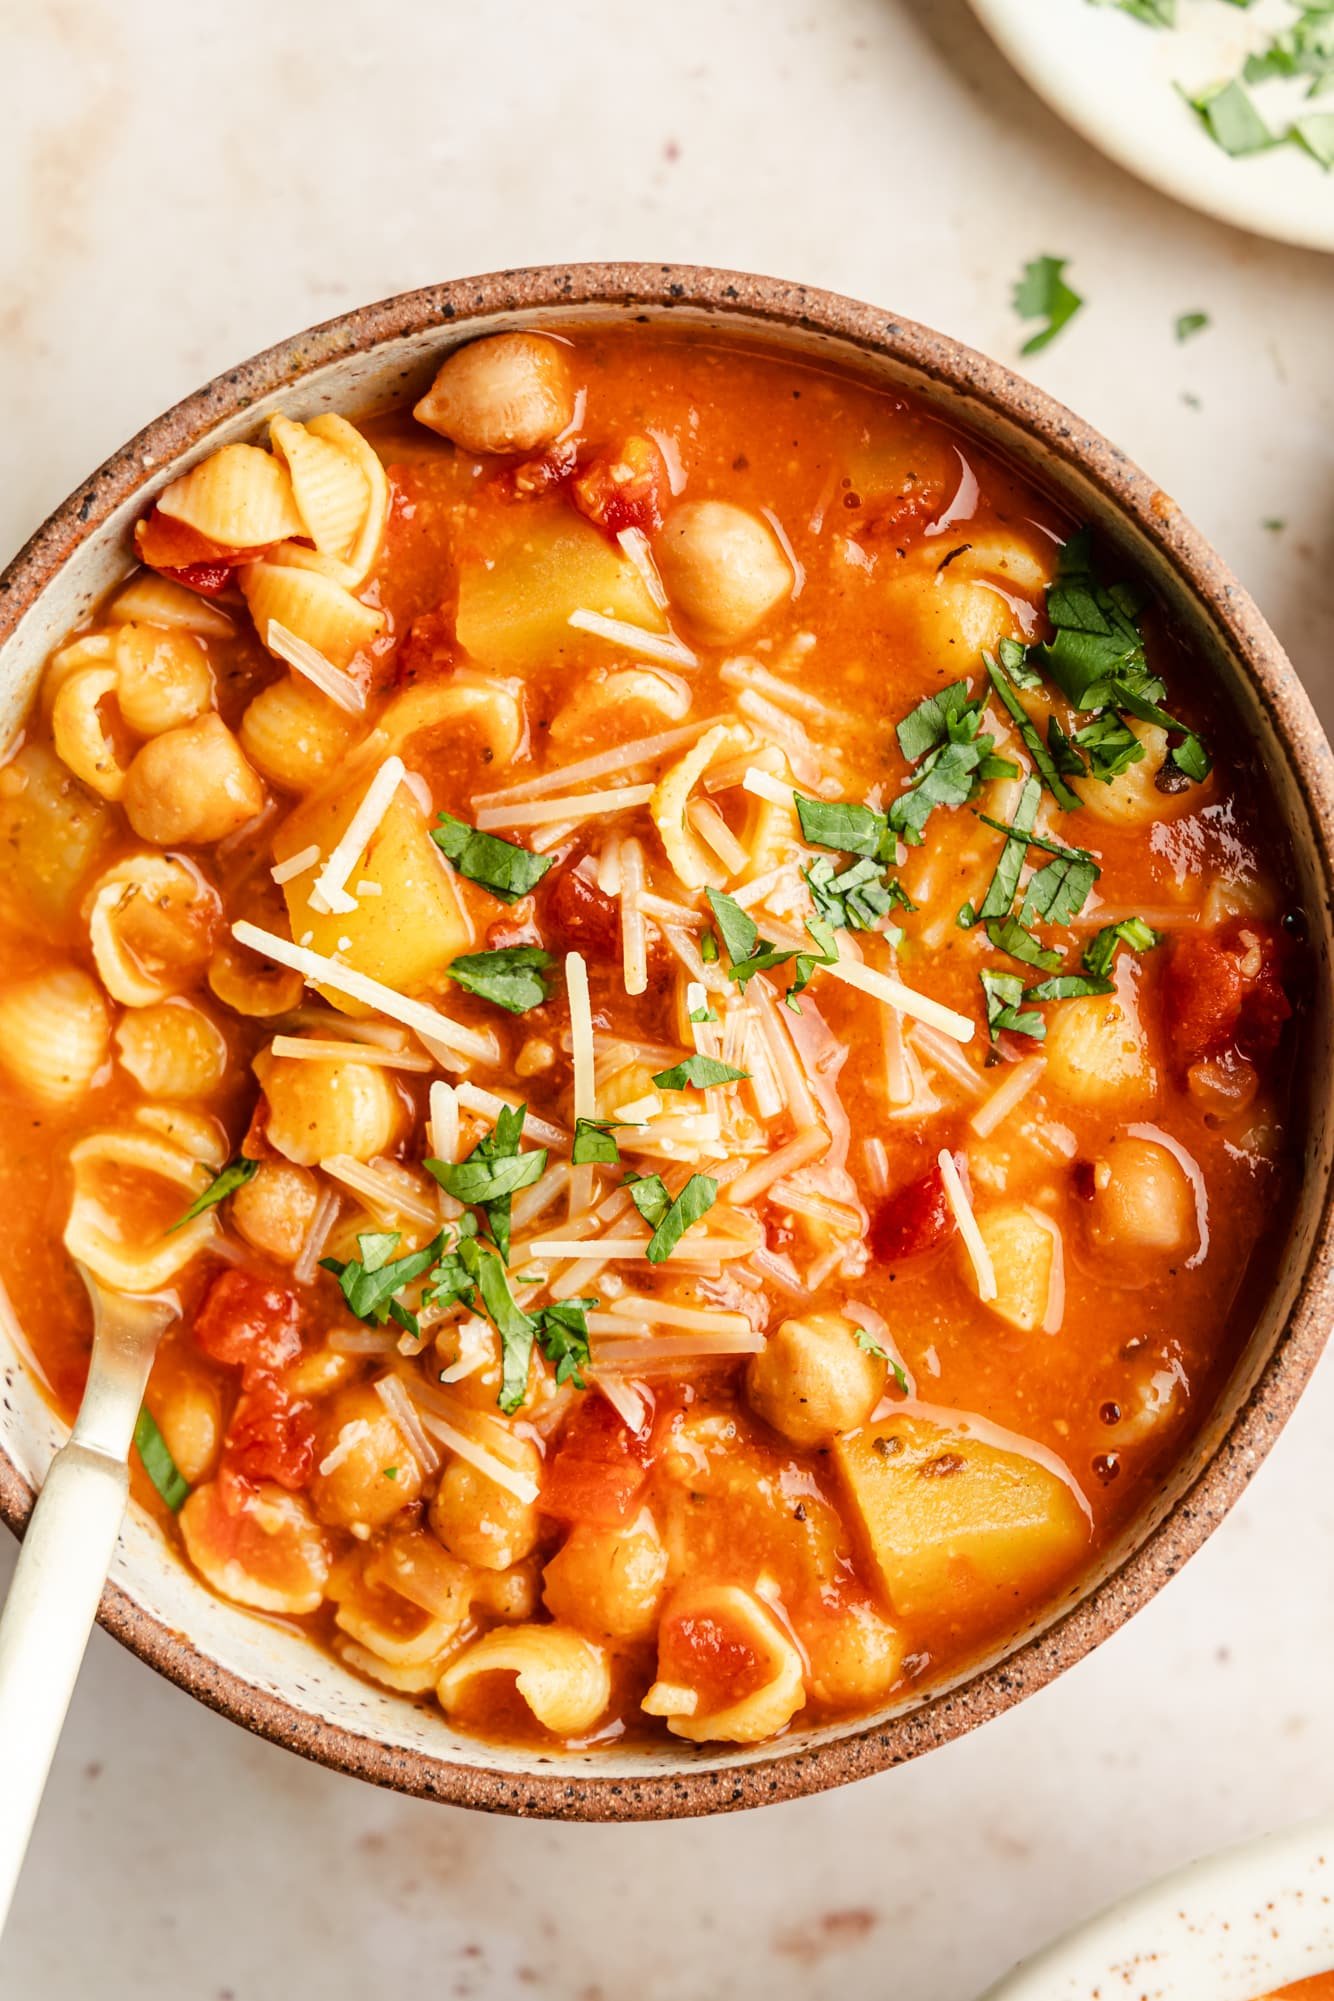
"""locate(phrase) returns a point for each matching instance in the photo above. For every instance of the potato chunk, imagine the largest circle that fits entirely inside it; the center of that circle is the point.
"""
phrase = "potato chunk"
(1024, 1248)
(516, 594)
(944, 1515)
(811, 1380)
(407, 934)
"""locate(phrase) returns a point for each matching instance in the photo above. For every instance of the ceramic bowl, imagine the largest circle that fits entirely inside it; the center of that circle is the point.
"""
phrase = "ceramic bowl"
(265, 1675)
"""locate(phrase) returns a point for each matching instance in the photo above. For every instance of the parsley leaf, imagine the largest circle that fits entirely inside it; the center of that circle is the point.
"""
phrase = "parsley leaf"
(517, 1329)
(562, 1334)
(1096, 638)
(1067, 986)
(1231, 120)
(369, 1283)
(1042, 294)
(1004, 996)
(945, 778)
(704, 1013)
(747, 951)
(226, 1182)
(1304, 49)
(510, 978)
(1316, 135)
(1059, 891)
(695, 1200)
(1110, 745)
(509, 872)
(1131, 931)
(700, 1071)
(1043, 758)
(929, 723)
(157, 1461)
(493, 1172)
(847, 828)
(1191, 755)
(594, 1145)
(857, 897)
(999, 899)
(649, 1194)
(1008, 935)
(1190, 323)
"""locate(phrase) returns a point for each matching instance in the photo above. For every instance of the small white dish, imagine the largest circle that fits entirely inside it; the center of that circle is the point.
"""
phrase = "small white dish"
(1233, 1927)
(1116, 81)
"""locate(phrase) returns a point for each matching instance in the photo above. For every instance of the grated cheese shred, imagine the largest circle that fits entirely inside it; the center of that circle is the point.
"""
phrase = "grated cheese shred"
(331, 883)
(305, 659)
(957, 1197)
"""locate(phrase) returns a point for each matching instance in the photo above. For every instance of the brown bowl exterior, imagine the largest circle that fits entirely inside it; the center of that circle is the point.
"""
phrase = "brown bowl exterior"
(1060, 450)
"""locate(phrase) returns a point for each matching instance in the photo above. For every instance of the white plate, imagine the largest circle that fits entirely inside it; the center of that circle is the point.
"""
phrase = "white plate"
(1115, 81)
(1230, 1928)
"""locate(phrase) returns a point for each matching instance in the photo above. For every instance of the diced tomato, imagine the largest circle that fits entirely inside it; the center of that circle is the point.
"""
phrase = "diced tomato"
(542, 474)
(255, 1145)
(1225, 991)
(172, 547)
(599, 1469)
(622, 489)
(702, 1652)
(899, 518)
(205, 578)
(249, 1323)
(914, 1219)
(271, 1437)
(581, 918)
(428, 647)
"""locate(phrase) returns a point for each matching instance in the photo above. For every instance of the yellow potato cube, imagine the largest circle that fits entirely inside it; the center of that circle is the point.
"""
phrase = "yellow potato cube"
(948, 1521)
(514, 606)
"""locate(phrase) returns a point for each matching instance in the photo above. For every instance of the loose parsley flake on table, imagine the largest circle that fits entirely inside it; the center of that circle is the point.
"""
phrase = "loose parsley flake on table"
(1042, 294)
(1188, 324)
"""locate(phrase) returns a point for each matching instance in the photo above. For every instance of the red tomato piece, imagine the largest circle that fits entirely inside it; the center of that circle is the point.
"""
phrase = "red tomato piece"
(622, 489)
(271, 1437)
(701, 1651)
(914, 1219)
(255, 1145)
(599, 1469)
(428, 648)
(249, 1323)
(170, 546)
(541, 475)
(205, 578)
(581, 918)
(1225, 991)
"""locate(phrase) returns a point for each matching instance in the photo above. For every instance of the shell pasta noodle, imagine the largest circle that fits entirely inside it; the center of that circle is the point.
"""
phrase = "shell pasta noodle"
(696, 993)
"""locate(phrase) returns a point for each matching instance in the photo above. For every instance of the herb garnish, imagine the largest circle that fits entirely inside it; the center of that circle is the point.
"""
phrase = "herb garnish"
(226, 1182)
(948, 773)
(561, 1331)
(509, 872)
(594, 1145)
(493, 1173)
(749, 954)
(1190, 323)
(668, 1219)
(1132, 932)
(369, 1283)
(1231, 120)
(698, 1070)
(1004, 997)
(157, 1461)
(510, 978)
(1042, 294)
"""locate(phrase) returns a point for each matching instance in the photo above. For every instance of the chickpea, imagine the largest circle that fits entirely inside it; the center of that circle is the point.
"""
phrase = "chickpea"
(275, 1208)
(479, 1522)
(510, 393)
(172, 1049)
(319, 1109)
(1142, 1199)
(855, 1659)
(191, 785)
(811, 1380)
(376, 1476)
(163, 678)
(723, 567)
(1131, 798)
(190, 1420)
(608, 1582)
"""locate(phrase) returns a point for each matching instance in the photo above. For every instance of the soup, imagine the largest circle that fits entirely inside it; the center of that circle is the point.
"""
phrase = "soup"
(696, 997)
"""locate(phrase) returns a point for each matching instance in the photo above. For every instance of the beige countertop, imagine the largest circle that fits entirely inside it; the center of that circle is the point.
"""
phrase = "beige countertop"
(189, 183)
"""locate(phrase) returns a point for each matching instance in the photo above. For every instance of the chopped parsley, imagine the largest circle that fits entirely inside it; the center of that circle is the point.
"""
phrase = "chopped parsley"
(1316, 135)
(848, 829)
(370, 1283)
(1231, 119)
(1042, 294)
(1190, 323)
(1305, 49)
(857, 897)
(1153, 13)
(517, 1329)
(1007, 934)
(704, 1013)
(669, 1220)
(1132, 932)
(1068, 986)
(509, 872)
(1004, 997)
(942, 737)
(1002, 673)
(594, 1143)
(158, 1463)
(562, 1335)
(701, 1071)
(226, 1182)
(749, 954)
(510, 978)
(493, 1173)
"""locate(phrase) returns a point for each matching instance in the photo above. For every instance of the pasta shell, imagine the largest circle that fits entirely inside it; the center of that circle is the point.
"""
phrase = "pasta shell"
(688, 855)
(253, 986)
(294, 735)
(154, 600)
(314, 607)
(329, 488)
(240, 498)
(493, 708)
(125, 1184)
(203, 1139)
(93, 650)
(151, 921)
(163, 678)
(562, 1677)
(53, 1034)
(260, 1548)
(82, 737)
(335, 430)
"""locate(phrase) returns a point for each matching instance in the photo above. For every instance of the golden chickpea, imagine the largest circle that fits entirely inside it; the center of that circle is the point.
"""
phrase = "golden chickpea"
(510, 393)
(163, 678)
(1142, 1200)
(479, 1522)
(722, 567)
(811, 1380)
(319, 1109)
(608, 1582)
(376, 1474)
(855, 1659)
(275, 1208)
(1132, 798)
(191, 785)
(190, 1420)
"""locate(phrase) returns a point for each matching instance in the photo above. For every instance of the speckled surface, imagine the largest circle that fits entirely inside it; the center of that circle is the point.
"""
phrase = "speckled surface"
(444, 172)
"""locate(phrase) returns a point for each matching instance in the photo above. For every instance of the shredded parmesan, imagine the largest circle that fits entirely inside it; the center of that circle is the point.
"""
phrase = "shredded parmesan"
(428, 1022)
(331, 883)
(523, 1487)
(710, 825)
(311, 1049)
(746, 673)
(764, 785)
(634, 937)
(625, 757)
(957, 1197)
(341, 688)
(947, 1056)
(317, 1236)
(574, 808)
(346, 1443)
(627, 1403)
(1023, 1076)
(882, 987)
(629, 1250)
(658, 1351)
(296, 864)
(395, 1400)
(663, 646)
(1190, 1167)
(490, 1104)
(638, 550)
(803, 1147)
(383, 1191)
(581, 1027)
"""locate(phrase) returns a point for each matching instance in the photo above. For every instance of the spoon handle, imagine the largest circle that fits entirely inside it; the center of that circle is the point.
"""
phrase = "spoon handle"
(44, 1629)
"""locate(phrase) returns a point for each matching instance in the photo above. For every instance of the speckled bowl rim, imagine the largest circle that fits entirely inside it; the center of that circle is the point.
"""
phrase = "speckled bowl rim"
(765, 304)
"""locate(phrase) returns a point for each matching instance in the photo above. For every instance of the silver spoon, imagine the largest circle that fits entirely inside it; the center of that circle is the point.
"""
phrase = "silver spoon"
(66, 1554)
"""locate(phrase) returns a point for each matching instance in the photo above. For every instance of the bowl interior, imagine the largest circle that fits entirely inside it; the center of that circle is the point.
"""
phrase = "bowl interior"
(267, 1675)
